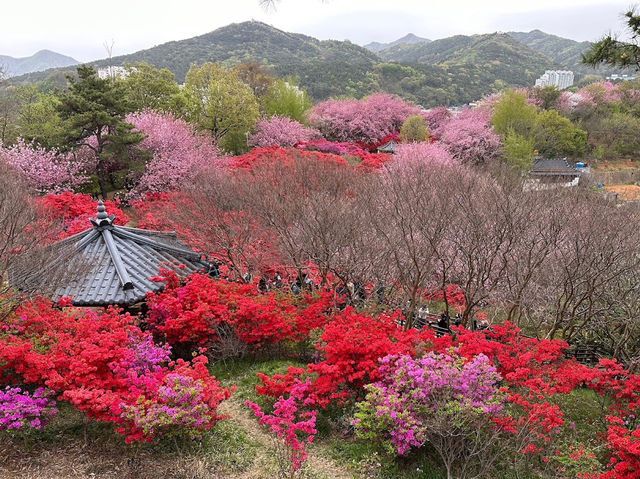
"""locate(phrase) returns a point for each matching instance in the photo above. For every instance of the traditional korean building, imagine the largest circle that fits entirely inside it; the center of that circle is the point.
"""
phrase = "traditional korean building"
(108, 264)
(388, 147)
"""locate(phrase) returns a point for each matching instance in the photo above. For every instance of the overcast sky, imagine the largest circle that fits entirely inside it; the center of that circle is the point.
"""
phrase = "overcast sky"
(79, 28)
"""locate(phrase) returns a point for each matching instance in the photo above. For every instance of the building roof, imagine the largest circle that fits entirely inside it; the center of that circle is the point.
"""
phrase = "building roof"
(553, 167)
(388, 147)
(110, 264)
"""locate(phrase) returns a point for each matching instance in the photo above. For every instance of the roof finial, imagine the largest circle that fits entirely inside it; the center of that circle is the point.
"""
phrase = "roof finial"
(102, 211)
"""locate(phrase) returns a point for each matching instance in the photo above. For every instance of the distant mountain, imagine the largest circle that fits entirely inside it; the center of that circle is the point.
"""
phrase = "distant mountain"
(562, 51)
(449, 71)
(498, 55)
(240, 42)
(408, 39)
(40, 61)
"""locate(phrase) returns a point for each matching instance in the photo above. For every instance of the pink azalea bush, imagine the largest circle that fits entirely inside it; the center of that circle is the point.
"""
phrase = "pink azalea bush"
(292, 424)
(47, 171)
(361, 121)
(179, 152)
(282, 132)
(469, 137)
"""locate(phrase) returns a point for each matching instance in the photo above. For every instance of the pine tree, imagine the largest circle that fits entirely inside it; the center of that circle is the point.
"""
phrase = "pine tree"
(93, 110)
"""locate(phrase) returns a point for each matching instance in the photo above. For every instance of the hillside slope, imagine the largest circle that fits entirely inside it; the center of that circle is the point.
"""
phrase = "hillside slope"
(39, 61)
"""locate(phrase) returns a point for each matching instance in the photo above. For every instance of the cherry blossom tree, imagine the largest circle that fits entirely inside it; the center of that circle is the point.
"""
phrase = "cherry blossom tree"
(282, 132)
(178, 152)
(364, 121)
(424, 152)
(46, 171)
(470, 138)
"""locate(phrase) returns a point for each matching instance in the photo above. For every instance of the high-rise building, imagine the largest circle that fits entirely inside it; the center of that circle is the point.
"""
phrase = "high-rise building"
(561, 79)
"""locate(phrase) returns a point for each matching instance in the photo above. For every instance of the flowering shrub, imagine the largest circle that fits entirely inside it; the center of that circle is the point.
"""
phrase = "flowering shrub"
(177, 407)
(335, 148)
(289, 421)
(282, 132)
(179, 152)
(349, 348)
(48, 171)
(20, 409)
(73, 210)
(104, 365)
(440, 399)
(274, 155)
(193, 312)
(363, 121)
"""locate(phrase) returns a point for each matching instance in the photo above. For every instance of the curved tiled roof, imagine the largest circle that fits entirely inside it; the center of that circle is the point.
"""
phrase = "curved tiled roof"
(111, 264)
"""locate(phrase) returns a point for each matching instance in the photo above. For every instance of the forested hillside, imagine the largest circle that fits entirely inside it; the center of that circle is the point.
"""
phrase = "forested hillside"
(449, 71)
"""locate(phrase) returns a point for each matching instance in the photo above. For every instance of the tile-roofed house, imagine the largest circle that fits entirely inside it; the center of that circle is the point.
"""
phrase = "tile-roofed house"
(388, 147)
(109, 264)
(553, 167)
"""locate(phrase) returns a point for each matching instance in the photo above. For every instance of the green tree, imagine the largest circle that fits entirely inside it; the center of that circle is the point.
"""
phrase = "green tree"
(611, 51)
(617, 135)
(414, 129)
(517, 151)
(38, 119)
(93, 110)
(547, 95)
(512, 112)
(220, 103)
(9, 107)
(149, 88)
(555, 135)
(285, 98)
(255, 76)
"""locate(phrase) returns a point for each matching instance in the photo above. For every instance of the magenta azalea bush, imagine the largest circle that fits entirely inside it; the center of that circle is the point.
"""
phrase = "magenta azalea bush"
(281, 131)
(19, 409)
(177, 408)
(426, 399)
(469, 137)
(362, 121)
(293, 425)
(48, 171)
(179, 152)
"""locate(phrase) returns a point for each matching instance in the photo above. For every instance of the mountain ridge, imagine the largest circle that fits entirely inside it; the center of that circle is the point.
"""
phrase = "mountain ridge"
(409, 39)
(40, 61)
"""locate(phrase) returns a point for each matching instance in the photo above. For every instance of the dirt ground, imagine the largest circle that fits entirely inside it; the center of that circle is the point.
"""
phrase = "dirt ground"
(625, 192)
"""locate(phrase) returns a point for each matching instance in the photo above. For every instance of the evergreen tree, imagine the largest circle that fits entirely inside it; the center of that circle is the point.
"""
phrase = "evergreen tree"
(611, 51)
(93, 110)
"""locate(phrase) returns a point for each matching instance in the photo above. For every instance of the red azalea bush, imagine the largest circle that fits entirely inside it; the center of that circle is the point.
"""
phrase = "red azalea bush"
(275, 155)
(73, 210)
(349, 348)
(192, 313)
(106, 366)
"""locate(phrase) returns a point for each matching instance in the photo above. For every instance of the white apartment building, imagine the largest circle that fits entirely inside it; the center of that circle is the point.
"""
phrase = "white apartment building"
(112, 72)
(561, 79)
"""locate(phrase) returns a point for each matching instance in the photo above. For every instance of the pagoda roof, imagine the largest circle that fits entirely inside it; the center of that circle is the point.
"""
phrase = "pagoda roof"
(388, 147)
(109, 264)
